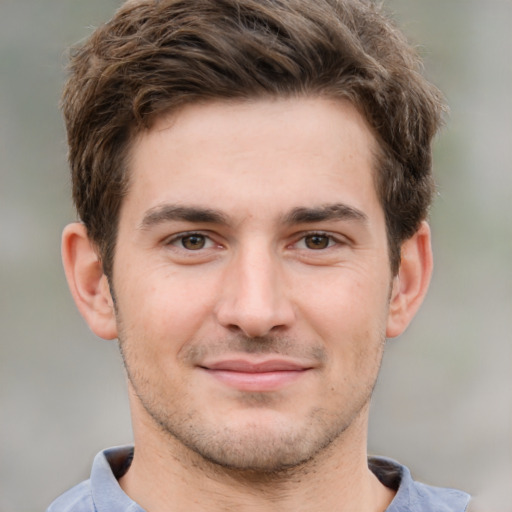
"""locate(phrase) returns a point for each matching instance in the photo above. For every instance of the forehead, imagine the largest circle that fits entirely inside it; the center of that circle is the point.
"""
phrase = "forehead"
(255, 153)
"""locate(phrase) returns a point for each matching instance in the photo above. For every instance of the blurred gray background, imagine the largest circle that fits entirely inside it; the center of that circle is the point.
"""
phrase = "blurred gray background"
(444, 400)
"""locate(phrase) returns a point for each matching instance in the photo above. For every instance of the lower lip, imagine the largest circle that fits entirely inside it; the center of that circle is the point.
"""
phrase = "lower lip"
(258, 381)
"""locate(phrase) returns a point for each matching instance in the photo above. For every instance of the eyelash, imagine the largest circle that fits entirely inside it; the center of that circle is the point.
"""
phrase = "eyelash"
(182, 237)
(331, 240)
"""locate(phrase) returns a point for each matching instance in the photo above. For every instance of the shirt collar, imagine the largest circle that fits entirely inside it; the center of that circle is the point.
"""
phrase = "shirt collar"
(111, 464)
(108, 466)
(414, 496)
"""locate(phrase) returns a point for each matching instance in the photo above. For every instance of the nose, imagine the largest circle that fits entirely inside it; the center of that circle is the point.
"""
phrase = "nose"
(254, 297)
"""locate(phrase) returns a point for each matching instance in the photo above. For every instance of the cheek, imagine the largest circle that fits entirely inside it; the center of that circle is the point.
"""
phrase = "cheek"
(349, 302)
(163, 308)
(350, 317)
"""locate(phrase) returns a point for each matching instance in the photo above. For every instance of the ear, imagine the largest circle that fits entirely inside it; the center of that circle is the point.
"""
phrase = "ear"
(87, 282)
(411, 284)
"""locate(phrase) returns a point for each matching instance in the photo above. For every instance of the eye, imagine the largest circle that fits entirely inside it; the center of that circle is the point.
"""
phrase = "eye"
(317, 241)
(319, 247)
(191, 241)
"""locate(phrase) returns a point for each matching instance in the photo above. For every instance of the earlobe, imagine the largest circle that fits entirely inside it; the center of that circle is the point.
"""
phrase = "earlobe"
(411, 284)
(87, 282)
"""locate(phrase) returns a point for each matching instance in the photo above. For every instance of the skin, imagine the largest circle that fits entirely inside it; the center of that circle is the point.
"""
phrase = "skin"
(253, 297)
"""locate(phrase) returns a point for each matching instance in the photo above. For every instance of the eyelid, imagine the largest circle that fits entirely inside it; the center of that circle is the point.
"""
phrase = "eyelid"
(339, 240)
(177, 237)
(335, 239)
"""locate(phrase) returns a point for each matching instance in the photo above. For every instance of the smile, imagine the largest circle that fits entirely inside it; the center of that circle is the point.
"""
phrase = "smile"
(270, 375)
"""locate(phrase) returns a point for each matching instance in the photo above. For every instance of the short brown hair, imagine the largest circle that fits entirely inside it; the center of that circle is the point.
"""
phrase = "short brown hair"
(155, 56)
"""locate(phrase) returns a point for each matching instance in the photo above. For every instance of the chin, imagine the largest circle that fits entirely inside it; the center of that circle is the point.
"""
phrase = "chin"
(263, 452)
(266, 445)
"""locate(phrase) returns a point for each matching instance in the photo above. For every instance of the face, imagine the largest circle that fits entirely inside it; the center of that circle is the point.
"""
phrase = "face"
(252, 279)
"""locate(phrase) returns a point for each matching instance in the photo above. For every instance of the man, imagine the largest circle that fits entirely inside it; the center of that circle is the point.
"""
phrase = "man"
(252, 179)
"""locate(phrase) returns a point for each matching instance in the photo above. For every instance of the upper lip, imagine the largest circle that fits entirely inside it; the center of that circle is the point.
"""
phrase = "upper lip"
(247, 366)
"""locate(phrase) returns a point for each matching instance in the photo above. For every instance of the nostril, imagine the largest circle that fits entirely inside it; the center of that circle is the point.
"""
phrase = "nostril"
(254, 325)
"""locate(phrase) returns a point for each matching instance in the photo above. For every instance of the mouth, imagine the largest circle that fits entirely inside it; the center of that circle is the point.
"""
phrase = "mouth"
(257, 376)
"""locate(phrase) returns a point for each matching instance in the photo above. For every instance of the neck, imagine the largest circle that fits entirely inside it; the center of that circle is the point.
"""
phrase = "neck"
(165, 472)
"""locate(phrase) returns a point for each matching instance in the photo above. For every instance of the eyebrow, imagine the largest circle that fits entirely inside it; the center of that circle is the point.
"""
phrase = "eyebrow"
(337, 211)
(299, 215)
(169, 212)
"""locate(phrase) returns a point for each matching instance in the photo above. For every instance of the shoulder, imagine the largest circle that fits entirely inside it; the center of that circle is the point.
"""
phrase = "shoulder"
(426, 498)
(414, 496)
(102, 491)
(77, 499)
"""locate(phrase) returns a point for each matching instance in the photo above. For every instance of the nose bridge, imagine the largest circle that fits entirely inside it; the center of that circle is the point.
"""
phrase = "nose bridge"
(254, 297)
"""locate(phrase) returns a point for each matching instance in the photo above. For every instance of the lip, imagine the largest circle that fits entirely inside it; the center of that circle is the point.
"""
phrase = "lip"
(257, 376)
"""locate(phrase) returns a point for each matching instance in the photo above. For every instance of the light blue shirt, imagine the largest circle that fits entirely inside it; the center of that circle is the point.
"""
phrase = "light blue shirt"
(102, 493)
